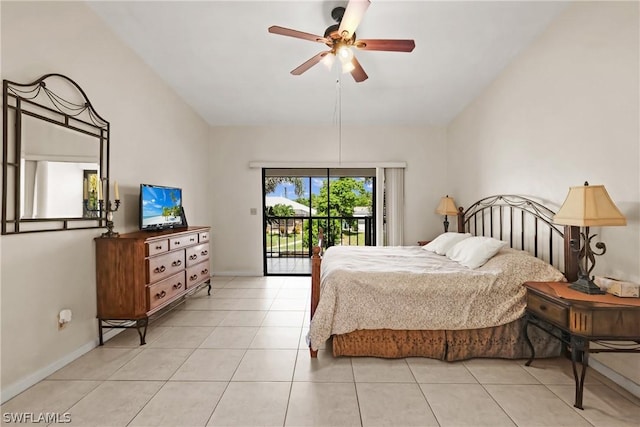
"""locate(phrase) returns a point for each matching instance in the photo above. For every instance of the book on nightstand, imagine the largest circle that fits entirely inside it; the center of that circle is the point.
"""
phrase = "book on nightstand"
(618, 288)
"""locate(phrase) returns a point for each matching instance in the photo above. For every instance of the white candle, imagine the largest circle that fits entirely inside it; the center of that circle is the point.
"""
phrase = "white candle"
(85, 189)
(115, 190)
(99, 189)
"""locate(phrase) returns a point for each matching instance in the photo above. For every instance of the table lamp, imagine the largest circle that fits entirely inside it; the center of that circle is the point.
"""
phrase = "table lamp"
(446, 207)
(586, 206)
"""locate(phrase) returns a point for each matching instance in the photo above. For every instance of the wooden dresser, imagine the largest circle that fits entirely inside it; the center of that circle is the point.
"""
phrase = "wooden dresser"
(142, 273)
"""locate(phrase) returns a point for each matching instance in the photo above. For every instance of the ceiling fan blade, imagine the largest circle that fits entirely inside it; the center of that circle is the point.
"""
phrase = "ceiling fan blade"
(352, 16)
(386, 45)
(358, 72)
(274, 29)
(310, 63)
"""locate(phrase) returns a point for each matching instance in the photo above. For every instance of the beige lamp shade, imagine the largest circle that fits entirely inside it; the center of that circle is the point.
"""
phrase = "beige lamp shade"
(447, 206)
(589, 206)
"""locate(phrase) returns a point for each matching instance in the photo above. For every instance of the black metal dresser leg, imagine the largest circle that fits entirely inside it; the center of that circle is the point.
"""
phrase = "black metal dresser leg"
(142, 323)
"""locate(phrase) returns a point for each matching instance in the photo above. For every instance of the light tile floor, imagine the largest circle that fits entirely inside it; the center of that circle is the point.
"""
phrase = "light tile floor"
(289, 265)
(239, 358)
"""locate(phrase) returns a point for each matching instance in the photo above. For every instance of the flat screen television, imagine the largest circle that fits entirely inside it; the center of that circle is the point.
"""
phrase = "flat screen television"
(160, 207)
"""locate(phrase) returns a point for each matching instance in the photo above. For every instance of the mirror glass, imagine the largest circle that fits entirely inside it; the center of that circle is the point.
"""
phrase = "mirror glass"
(56, 161)
(56, 156)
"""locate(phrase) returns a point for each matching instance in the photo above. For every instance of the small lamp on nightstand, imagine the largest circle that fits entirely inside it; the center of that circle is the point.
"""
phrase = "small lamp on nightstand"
(447, 207)
(586, 206)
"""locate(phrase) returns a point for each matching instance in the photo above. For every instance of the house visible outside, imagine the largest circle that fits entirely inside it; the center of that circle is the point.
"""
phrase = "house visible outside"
(299, 208)
(284, 226)
(341, 206)
(361, 212)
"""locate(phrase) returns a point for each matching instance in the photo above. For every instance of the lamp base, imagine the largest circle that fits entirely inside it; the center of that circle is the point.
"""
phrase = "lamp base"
(586, 286)
(446, 224)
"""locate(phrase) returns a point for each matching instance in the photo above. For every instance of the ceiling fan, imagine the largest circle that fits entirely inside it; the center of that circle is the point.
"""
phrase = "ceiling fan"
(341, 37)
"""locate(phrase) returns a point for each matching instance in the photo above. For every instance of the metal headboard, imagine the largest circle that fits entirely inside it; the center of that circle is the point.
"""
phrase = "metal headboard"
(525, 224)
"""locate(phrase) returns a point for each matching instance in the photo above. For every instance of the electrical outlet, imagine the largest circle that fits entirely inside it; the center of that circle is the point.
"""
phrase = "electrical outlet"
(61, 325)
(64, 317)
(253, 211)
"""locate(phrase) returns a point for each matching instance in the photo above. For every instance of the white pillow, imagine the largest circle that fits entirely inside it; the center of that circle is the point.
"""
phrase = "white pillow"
(475, 251)
(445, 241)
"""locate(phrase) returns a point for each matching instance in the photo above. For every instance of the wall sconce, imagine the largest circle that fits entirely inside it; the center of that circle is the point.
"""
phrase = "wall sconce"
(446, 207)
(586, 206)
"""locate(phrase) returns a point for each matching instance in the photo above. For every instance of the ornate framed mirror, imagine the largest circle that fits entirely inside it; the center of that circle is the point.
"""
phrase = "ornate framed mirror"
(55, 157)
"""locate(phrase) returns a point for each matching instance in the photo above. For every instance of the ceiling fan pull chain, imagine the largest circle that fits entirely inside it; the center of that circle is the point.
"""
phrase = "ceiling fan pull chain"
(339, 83)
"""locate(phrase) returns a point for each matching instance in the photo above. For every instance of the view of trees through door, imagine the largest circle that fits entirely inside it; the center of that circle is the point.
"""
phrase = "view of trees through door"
(298, 202)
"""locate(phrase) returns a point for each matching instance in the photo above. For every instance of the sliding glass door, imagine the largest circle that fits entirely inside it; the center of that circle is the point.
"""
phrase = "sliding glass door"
(299, 202)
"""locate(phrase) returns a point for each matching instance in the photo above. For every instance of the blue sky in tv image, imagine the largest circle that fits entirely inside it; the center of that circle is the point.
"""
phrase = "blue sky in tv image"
(288, 190)
(160, 205)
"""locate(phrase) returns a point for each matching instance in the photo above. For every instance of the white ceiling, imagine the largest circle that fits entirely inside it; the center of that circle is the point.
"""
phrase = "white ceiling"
(219, 57)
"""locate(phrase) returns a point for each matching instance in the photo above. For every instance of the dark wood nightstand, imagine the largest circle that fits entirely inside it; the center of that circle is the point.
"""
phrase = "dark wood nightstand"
(581, 319)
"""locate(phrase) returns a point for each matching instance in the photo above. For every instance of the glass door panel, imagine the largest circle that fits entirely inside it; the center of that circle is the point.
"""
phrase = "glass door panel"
(300, 202)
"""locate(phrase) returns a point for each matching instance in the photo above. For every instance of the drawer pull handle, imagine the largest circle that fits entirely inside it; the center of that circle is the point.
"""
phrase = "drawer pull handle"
(543, 307)
(204, 253)
(158, 247)
(160, 269)
(161, 295)
(192, 257)
(194, 277)
(192, 239)
(205, 271)
(177, 285)
(176, 263)
(177, 242)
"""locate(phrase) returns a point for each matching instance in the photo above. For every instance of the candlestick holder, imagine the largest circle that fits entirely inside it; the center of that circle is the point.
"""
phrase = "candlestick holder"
(111, 208)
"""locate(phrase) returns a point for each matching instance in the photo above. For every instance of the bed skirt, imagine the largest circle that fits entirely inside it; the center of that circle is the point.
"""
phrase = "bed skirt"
(505, 341)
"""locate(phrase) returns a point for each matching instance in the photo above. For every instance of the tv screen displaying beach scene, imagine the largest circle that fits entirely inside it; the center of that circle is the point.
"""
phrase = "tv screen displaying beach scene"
(160, 207)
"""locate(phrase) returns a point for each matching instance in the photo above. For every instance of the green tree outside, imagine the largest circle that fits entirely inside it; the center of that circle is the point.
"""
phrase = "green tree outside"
(271, 182)
(337, 198)
(281, 210)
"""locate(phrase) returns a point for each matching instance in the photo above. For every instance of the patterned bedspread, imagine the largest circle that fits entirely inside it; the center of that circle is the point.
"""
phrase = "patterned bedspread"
(411, 288)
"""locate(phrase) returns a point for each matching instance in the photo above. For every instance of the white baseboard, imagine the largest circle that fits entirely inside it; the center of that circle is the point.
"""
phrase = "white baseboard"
(622, 381)
(24, 383)
(239, 273)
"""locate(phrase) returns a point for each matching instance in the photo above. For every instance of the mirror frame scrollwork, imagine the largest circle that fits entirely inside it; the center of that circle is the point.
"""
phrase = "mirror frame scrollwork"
(38, 101)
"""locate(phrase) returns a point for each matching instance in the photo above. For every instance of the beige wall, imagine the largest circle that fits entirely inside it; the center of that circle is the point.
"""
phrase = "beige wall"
(236, 188)
(155, 138)
(565, 111)
(574, 91)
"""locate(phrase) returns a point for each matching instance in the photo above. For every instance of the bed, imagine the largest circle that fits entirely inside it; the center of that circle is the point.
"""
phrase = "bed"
(398, 302)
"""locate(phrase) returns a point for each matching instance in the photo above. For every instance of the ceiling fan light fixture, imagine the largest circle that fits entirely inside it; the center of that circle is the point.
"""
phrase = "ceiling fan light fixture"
(348, 67)
(345, 53)
(341, 38)
(328, 61)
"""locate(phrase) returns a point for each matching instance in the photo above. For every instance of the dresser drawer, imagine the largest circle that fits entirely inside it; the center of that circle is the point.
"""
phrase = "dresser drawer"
(196, 254)
(157, 247)
(548, 310)
(203, 237)
(183, 241)
(163, 266)
(163, 291)
(197, 274)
